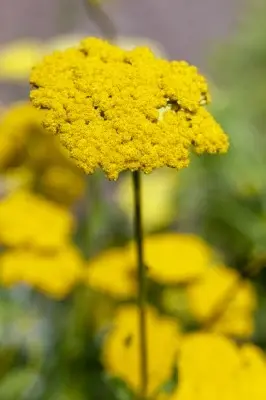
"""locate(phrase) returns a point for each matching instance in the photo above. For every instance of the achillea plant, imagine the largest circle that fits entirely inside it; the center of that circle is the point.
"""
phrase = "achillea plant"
(122, 343)
(36, 236)
(213, 367)
(33, 158)
(124, 110)
(121, 110)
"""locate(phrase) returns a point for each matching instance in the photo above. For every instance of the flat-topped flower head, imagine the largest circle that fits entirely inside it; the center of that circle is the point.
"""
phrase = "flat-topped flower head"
(122, 110)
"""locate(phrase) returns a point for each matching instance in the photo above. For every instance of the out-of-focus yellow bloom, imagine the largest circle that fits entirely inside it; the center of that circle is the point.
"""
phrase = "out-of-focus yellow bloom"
(170, 258)
(207, 364)
(121, 350)
(221, 297)
(17, 124)
(61, 183)
(157, 198)
(113, 273)
(54, 273)
(213, 367)
(17, 58)
(251, 381)
(24, 145)
(30, 221)
(175, 257)
(124, 110)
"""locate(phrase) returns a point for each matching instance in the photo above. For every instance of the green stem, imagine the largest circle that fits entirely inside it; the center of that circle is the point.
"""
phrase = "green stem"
(92, 213)
(141, 273)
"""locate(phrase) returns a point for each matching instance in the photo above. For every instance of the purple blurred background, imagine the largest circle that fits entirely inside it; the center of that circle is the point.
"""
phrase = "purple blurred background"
(187, 29)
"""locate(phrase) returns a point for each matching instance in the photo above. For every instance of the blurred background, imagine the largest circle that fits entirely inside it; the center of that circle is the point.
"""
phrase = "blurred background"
(67, 274)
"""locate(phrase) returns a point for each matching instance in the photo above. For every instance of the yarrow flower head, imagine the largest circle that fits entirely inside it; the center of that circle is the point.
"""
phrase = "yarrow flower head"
(162, 255)
(122, 110)
(221, 296)
(120, 350)
(32, 222)
(26, 148)
(54, 273)
(211, 366)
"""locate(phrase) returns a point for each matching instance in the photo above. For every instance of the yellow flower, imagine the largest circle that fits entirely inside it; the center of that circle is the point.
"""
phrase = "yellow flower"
(121, 348)
(170, 258)
(207, 364)
(252, 377)
(54, 273)
(17, 58)
(212, 367)
(16, 126)
(157, 198)
(124, 110)
(221, 297)
(29, 221)
(176, 258)
(62, 184)
(25, 145)
(112, 272)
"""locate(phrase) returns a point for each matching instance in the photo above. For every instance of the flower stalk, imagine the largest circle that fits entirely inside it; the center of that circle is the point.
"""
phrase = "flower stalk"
(141, 274)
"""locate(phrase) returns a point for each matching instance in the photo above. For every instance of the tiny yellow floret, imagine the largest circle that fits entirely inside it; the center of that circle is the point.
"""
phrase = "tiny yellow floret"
(121, 110)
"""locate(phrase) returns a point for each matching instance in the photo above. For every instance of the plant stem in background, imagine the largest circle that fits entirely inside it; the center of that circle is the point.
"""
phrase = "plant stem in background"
(141, 273)
(101, 18)
(93, 210)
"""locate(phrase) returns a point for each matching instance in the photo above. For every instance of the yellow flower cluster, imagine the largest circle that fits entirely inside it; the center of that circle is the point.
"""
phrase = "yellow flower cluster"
(213, 367)
(210, 366)
(124, 109)
(16, 125)
(112, 273)
(32, 222)
(25, 146)
(202, 290)
(121, 347)
(223, 301)
(36, 234)
(17, 58)
(170, 258)
(54, 274)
